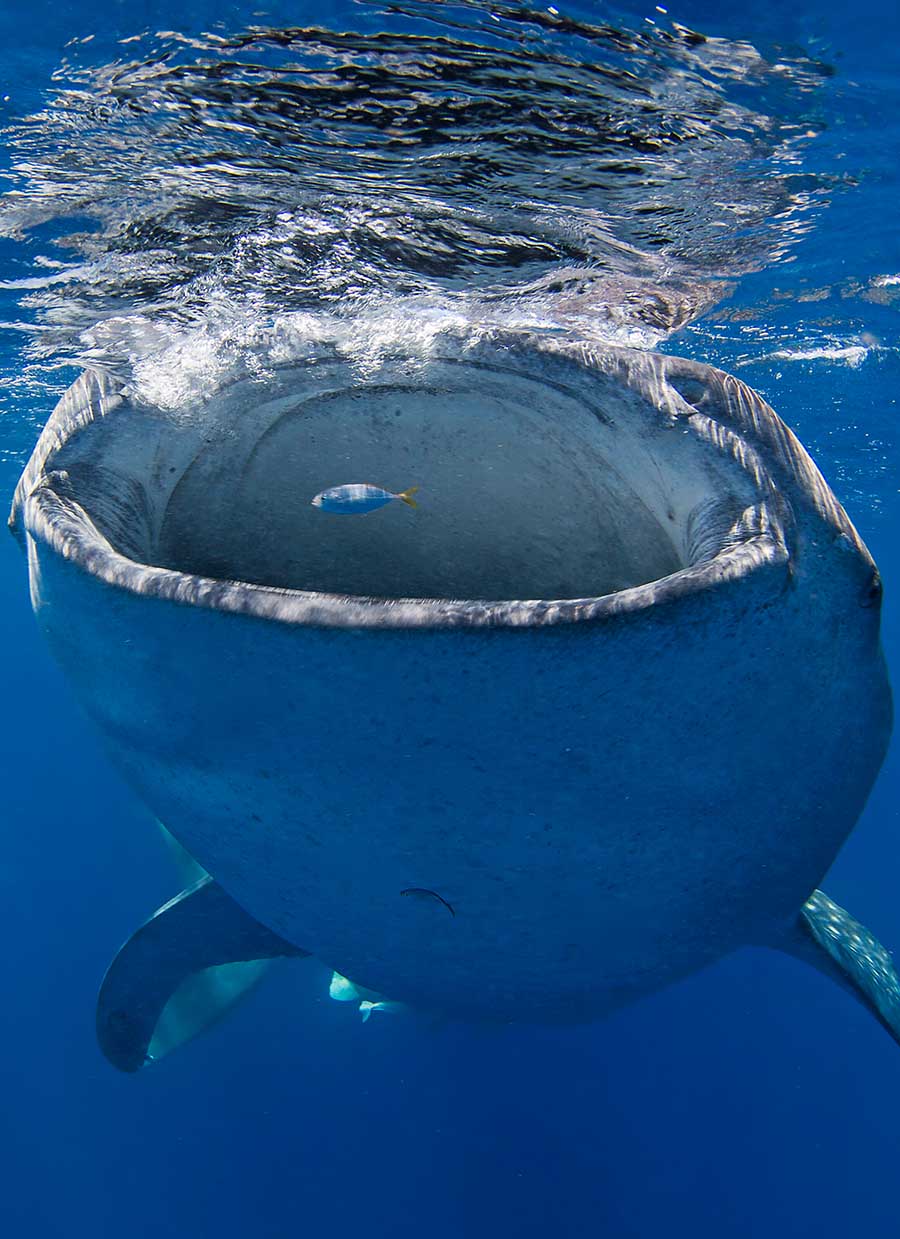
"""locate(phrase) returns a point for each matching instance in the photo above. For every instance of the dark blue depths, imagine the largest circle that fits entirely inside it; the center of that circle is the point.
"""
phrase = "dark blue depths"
(755, 1099)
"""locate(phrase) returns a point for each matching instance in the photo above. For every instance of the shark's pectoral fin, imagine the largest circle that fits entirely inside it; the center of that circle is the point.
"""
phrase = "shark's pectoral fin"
(163, 968)
(832, 941)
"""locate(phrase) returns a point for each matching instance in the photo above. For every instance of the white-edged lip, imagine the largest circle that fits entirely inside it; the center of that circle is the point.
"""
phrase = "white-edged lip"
(68, 530)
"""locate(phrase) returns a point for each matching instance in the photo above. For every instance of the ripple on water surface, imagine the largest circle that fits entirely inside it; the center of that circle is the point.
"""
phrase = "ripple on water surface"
(507, 165)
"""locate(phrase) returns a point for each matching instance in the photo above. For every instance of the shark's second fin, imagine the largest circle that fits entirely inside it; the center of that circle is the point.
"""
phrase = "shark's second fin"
(831, 940)
(174, 976)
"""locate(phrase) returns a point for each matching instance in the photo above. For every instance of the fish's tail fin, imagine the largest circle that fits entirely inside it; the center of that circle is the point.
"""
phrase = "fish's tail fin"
(407, 496)
(365, 1010)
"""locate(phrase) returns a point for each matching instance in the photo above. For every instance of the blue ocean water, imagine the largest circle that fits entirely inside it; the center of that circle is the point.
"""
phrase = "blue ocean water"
(754, 1098)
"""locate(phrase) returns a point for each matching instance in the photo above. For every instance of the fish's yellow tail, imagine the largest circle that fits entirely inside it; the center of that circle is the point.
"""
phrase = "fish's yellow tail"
(407, 496)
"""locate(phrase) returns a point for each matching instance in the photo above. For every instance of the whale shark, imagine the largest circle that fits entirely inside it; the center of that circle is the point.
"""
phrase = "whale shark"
(614, 693)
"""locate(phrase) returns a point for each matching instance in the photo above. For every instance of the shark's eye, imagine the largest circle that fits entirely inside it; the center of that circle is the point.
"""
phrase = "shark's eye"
(872, 593)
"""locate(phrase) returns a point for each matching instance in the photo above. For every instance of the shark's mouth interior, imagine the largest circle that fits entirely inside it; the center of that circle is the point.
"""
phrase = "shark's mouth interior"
(528, 488)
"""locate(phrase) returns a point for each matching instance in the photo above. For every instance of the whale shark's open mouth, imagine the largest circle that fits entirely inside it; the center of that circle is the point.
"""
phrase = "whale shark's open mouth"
(526, 492)
(541, 477)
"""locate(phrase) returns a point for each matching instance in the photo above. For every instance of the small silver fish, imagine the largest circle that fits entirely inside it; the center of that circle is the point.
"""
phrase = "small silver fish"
(357, 498)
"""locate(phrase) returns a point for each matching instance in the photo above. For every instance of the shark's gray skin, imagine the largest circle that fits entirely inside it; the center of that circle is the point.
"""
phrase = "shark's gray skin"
(615, 693)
